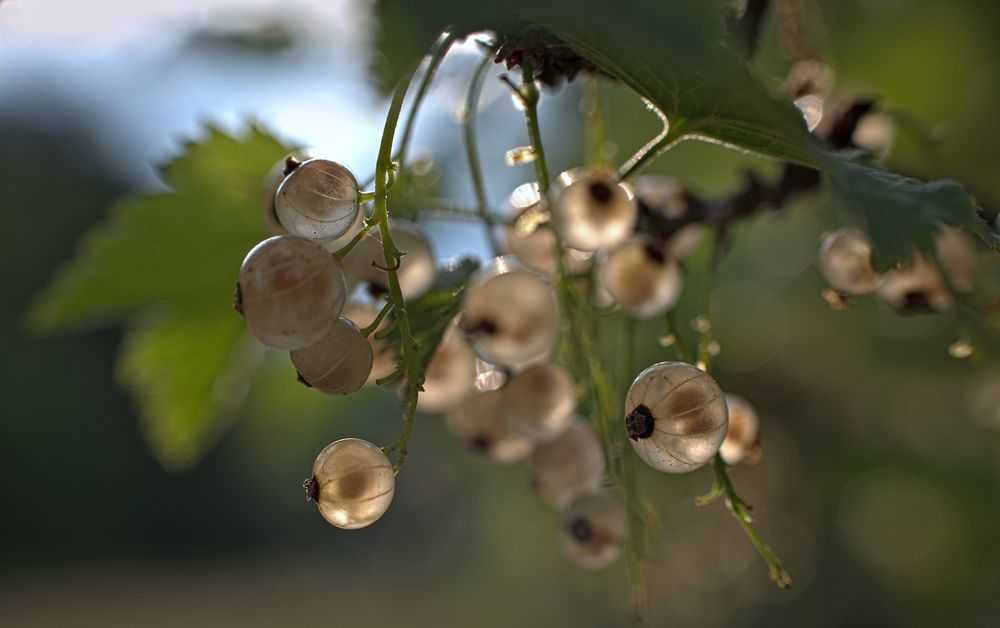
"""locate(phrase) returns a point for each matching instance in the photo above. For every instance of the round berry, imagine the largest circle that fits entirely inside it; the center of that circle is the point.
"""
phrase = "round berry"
(667, 198)
(741, 436)
(479, 422)
(416, 272)
(335, 244)
(352, 483)
(532, 240)
(338, 364)
(592, 210)
(569, 466)
(383, 352)
(274, 177)
(510, 317)
(956, 250)
(450, 374)
(641, 276)
(318, 200)
(915, 286)
(290, 292)
(595, 531)
(539, 401)
(675, 416)
(845, 261)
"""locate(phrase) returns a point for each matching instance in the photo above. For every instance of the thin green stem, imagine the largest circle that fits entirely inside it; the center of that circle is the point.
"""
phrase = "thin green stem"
(434, 59)
(367, 331)
(705, 349)
(741, 511)
(529, 98)
(682, 353)
(472, 148)
(361, 235)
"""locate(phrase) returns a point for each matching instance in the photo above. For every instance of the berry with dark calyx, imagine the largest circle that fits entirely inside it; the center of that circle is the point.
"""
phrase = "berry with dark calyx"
(352, 483)
(531, 239)
(595, 530)
(569, 466)
(641, 276)
(339, 363)
(915, 287)
(291, 292)
(593, 210)
(318, 200)
(479, 422)
(675, 417)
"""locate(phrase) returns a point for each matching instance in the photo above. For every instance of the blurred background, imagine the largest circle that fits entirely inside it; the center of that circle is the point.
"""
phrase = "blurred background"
(879, 484)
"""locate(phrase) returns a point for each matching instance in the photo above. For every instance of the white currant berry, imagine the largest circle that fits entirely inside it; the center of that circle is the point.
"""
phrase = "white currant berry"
(274, 177)
(875, 132)
(335, 244)
(352, 483)
(531, 239)
(845, 261)
(540, 401)
(383, 353)
(668, 198)
(641, 276)
(915, 286)
(479, 422)
(339, 363)
(592, 210)
(595, 531)
(318, 200)
(510, 316)
(741, 436)
(675, 416)
(569, 466)
(450, 375)
(416, 272)
(290, 292)
(810, 83)
(956, 250)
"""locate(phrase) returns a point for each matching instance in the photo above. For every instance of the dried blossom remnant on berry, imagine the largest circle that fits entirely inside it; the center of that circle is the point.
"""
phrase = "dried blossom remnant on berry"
(552, 60)
(640, 423)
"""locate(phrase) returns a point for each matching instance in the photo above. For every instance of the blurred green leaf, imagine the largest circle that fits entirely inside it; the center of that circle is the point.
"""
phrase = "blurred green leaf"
(168, 262)
(672, 55)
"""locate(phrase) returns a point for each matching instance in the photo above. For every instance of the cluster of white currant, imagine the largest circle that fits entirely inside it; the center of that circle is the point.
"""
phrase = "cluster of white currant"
(921, 283)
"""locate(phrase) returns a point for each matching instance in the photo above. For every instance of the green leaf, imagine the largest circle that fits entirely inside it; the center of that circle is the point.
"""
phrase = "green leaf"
(189, 374)
(167, 262)
(671, 54)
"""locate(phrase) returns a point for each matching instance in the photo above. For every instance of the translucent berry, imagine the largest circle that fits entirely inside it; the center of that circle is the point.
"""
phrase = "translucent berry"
(450, 375)
(532, 240)
(569, 466)
(274, 177)
(641, 276)
(352, 483)
(845, 261)
(383, 352)
(416, 270)
(318, 200)
(593, 210)
(338, 364)
(290, 292)
(675, 416)
(479, 422)
(595, 531)
(956, 250)
(810, 83)
(667, 198)
(741, 436)
(540, 400)
(335, 244)
(511, 317)
(915, 286)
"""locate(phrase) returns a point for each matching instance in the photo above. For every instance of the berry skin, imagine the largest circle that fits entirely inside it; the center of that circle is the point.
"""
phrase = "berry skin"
(668, 198)
(569, 466)
(916, 286)
(290, 292)
(540, 401)
(339, 364)
(532, 240)
(274, 177)
(383, 353)
(845, 261)
(641, 276)
(593, 210)
(450, 374)
(318, 200)
(352, 483)
(510, 316)
(675, 416)
(956, 250)
(595, 531)
(478, 421)
(742, 434)
(335, 244)
(416, 270)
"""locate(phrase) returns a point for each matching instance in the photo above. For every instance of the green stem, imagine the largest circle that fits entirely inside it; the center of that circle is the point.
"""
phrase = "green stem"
(650, 151)
(472, 148)
(367, 331)
(682, 353)
(436, 56)
(361, 235)
(711, 271)
(529, 98)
